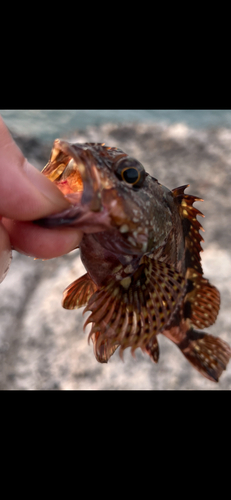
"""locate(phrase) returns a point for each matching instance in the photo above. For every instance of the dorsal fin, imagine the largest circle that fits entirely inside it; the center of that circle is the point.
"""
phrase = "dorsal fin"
(191, 227)
(202, 302)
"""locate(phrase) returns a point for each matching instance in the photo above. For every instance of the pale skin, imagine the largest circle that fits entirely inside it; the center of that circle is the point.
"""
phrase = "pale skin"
(26, 195)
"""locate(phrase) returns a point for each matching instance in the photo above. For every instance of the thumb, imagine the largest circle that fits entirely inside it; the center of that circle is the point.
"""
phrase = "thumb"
(25, 193)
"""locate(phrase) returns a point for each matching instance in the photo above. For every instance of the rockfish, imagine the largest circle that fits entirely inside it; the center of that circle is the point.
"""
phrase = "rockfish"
(141, 250)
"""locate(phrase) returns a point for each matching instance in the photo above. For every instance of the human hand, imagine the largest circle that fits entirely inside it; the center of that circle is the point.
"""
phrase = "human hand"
(26, 195)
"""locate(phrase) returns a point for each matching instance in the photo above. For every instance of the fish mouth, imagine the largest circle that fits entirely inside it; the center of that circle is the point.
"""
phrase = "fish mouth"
(72, 167)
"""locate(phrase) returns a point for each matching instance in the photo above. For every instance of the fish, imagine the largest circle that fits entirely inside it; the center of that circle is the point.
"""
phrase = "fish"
(141, 249)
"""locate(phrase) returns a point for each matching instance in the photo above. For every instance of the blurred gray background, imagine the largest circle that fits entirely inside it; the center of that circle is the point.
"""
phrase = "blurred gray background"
(47, 124)
(43, 346)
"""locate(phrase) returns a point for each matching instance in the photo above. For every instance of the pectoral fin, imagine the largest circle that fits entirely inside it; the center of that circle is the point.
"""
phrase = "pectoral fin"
(78, 293)
(130, 312)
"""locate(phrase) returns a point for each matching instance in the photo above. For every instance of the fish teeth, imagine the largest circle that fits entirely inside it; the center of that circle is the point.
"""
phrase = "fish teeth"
(124, 228)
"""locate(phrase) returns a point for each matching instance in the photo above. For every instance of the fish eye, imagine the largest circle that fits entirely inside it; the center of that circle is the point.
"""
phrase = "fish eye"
(130, 175)
(130, 171)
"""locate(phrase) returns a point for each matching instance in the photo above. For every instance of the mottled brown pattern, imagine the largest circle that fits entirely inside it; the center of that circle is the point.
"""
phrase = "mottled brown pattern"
(141, 248)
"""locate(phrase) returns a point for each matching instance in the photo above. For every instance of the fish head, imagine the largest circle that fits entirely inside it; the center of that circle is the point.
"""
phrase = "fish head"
(109, 192)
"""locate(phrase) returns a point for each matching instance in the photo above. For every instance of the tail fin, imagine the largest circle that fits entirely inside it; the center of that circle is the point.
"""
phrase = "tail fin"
(208, 354)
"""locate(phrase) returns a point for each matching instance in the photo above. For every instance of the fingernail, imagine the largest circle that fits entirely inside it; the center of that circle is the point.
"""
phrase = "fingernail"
(45, 186)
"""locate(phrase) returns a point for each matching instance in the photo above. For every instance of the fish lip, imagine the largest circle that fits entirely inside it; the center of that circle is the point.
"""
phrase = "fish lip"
(85, 163)
(86, 211)
(88, 222)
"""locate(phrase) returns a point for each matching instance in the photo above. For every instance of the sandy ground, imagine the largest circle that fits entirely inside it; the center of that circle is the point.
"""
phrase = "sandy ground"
(43, 346)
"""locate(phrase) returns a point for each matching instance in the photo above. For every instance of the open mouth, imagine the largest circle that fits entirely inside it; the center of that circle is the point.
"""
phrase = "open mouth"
(72, 167)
